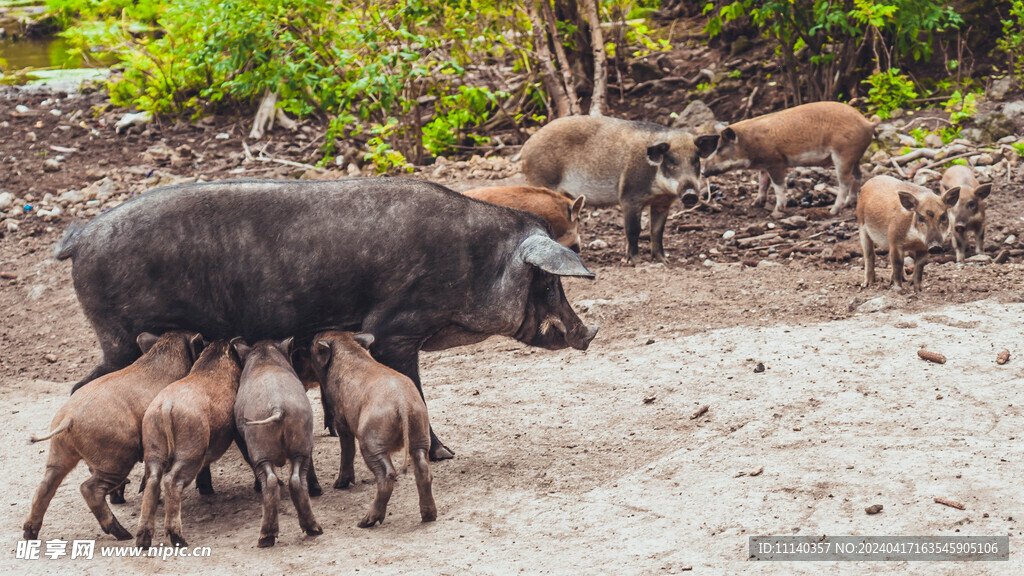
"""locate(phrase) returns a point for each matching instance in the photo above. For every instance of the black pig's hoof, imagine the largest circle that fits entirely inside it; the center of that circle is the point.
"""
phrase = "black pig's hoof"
(118, 531)
(342, 483)
(440, 452)
(266, 541)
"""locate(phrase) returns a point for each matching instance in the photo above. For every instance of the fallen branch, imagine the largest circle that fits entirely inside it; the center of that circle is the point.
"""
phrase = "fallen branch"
(898, 168)
(928, 153)
(950, 503)
(261, 158)
(938, 163)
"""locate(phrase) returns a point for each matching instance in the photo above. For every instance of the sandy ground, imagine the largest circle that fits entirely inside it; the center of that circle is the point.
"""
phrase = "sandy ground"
(563, 468)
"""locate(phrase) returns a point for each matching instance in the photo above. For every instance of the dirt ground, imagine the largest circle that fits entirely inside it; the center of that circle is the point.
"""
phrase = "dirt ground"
(573, 462)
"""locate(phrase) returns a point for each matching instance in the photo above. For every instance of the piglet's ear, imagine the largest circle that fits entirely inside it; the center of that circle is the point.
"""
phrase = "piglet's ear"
(706, 144)
(321, 353)
(951, 196)
(908, 200)
(656, 153)
(285, 346)
(196, 344)
(364, 339)
(982, 192)
(552, 257)
(241, 348)
(729, 135)
(576, 208)
(146, 341)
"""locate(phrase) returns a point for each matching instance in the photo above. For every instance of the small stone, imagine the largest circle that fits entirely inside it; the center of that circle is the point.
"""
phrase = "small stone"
(1002, 257)
(983, 160)
(12, 226)
(708, 263)
(1010, 240)
(729, 234)
(980, 259)
(222, 136)
(759, 368)
(55, 112)
(598, 245)
(873, 509)
(51, 358)
(880, 157)
(933, 141)
(875, 305)
(794, 222)
(51, 165)
(22, 109)
(6, 200)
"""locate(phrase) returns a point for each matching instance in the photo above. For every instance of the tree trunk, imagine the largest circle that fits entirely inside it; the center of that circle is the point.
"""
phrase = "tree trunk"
(600, 58)
(555, 89)
(563, 61)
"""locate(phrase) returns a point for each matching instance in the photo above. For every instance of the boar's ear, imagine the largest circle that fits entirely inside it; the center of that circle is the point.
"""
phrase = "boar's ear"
(982, 192)
(908, 200)
(951, 196)
(364, 339)
(706, 144)
(656, 153)
(729, 135)
(285, 346)
(241, 348)
(196, 344)
(552, 257)
(146, 341)
(576, 208)
(321, 353)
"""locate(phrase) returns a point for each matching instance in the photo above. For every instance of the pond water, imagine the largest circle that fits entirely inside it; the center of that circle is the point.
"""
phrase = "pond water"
(51, 52)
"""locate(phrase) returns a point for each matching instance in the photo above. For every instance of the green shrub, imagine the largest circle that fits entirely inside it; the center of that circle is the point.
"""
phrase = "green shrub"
(1012, 42)
(889, 90)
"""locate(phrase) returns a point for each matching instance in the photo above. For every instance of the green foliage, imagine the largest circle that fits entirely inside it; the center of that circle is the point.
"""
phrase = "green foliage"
(1018, 147)
(469, 107)
(889, 90)
(1012, 42)
(961, 107)
(835, 33)
(947, 134)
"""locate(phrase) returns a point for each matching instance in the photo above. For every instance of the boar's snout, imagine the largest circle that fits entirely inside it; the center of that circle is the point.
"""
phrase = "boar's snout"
(934, 248)
(690, 198)
(581, 337)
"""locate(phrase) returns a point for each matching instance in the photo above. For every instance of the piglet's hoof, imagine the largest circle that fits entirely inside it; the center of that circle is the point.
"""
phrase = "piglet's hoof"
(144, 539)
(266, 541)
(30, 532)
(204, 490)
(342, 483)
(776, 215)
(178, 541)
(370, 519)
(314, 530)
(118, 531)
(315, 490)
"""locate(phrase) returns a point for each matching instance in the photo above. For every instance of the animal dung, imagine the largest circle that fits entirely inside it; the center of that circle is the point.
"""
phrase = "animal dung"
(931, 356)
(760, 367)
(700, 412)
(873, 509)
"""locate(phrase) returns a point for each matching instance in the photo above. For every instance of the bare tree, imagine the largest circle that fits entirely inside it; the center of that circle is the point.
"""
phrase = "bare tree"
(600, 58)
(563, 60)
(555, 88)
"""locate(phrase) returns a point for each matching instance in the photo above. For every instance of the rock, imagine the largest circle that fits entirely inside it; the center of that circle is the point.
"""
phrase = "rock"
(887, 135)
(924, 176)
(875, 305)
(222, 136)
(51, 358)
(999, 88)
(728, 235)
(994, 125)
(129, 120)
(933, 141)
(696, 114)
(980, 259)
(6, 200)
(983, 160)
(1002, 257)
(1014, 111)
(880, 157)
(158, 153)
(1010, 240)
(794, 222)
(12, 225)
(598, 245)
(22, 109)
(708, 263)
(51, 165)
(55, 112)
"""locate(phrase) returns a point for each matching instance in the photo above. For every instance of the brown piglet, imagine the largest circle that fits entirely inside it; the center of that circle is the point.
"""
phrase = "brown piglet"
(968, 215)
(382, 409)
(102, 424)
(815, 134)
(560, 211)
(275, 425)
(187, 426)
(904, 218)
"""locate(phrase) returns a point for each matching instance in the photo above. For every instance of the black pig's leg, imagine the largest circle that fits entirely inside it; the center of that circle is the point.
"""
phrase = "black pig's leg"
(118, 352)
(404, 356)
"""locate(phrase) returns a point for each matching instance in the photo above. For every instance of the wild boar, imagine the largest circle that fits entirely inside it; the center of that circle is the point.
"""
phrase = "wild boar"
(412, 262)
(379, 407)
(103, 426)
(560, 211)
(968, 215)
(275, 425)
(904, 218)
(613, 161)
(188, 425)
(816, 134)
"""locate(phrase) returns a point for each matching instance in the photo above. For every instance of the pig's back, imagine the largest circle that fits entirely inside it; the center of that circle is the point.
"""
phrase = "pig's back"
(959, 175)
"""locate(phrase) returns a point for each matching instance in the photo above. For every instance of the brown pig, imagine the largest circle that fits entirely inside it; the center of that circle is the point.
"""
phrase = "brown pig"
(275, 425)
(102, 424)
(969, 213)
(560, 211)
(816, 134)
(382, 409)
(187, 426)
(904, 218)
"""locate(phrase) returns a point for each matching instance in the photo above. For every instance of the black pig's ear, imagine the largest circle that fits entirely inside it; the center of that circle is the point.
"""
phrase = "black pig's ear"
(909, 201)
(983, 191)
(196, 345)
(146, 341)
(364, 339)
(552, 257)
(729, 135)
(321, 353)
(241, 348)
(706, 144)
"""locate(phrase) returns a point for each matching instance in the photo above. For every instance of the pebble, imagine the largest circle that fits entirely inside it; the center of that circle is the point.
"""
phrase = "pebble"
(598, 245)
(222, 136)
(875, 305)
(51, 358)
(51, 165)
(55, 112)
(12, 226)
(729, 234)
(980, 259)
(6, 200)
(22, 109)
(1010, 240)
(983, 160)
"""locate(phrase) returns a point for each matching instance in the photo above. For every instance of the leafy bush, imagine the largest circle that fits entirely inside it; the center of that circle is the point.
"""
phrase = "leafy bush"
(961, 107)
(889, 90)
(469, 107)
(1012, 42)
